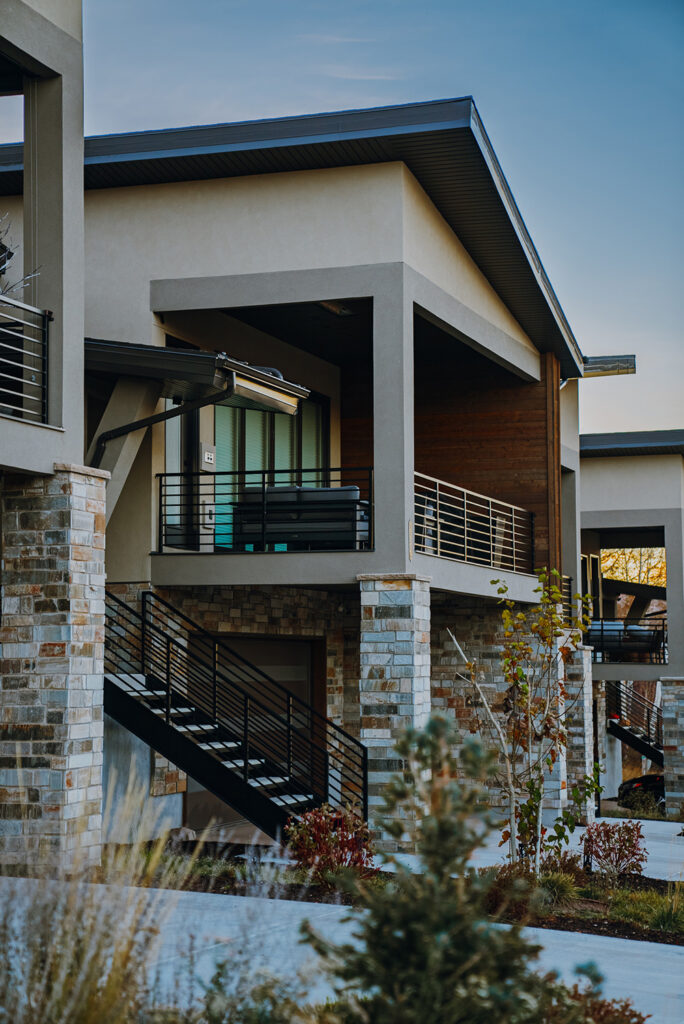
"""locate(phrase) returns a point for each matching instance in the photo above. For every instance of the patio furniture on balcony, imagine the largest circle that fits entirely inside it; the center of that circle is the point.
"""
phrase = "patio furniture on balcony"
(452, 522)
(643, 641)
(267, 511)
(23, 360)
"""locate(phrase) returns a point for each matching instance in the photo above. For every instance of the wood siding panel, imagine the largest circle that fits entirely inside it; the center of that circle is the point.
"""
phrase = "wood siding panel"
(479, 427)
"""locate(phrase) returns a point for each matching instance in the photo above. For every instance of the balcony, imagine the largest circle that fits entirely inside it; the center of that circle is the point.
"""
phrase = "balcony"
(23, 361)
(629, 641)
(266, 511)
(454, 523)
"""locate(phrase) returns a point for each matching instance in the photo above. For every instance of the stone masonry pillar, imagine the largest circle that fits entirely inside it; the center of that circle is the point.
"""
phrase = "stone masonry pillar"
(673, 746)
(395, 671)
(580, 722)
(51, 666)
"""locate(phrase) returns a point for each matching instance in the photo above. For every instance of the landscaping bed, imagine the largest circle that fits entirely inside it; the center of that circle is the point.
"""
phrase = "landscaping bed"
(623, 909)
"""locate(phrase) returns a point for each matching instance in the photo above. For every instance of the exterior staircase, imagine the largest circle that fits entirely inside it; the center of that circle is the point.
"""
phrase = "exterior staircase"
(237, 732)
(635, 721)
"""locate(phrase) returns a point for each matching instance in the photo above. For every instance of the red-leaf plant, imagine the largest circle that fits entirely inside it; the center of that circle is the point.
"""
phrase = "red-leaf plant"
(615, 848)
(326, 841)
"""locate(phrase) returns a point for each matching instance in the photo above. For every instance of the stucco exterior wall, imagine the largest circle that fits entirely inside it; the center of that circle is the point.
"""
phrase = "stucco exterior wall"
(65, 14)
(632, 482)
(431, 247)
(256, 224)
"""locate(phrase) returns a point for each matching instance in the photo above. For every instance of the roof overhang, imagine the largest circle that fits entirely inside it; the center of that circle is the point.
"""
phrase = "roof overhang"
(443, 143)
(609, 366)
(189, 375)
(636, 442)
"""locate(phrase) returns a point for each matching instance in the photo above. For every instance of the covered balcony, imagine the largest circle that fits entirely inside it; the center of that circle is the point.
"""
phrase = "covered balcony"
(412, 452)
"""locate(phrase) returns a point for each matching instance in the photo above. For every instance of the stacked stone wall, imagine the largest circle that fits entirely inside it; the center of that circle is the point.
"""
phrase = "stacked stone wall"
(580, 723)
(51, 665)
(476, 625)
(673, 746)
(394, 676)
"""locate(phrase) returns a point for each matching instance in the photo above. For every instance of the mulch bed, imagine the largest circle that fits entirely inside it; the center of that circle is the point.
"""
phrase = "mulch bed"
(608, 926)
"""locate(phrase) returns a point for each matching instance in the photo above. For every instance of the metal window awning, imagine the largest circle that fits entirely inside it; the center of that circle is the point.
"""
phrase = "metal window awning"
(188, 376)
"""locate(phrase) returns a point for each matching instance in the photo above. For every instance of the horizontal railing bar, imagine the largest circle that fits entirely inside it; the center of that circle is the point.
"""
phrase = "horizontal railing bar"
(37, 370)
(6, 300)
(18, 394)
(20, 329)
(465, 490)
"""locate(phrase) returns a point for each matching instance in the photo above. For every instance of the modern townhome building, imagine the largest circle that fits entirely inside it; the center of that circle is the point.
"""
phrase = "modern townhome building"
(332, 394)
(51, 630)
(632, 497)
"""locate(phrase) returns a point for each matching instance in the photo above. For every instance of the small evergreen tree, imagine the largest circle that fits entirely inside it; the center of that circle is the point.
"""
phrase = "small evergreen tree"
(426, 949)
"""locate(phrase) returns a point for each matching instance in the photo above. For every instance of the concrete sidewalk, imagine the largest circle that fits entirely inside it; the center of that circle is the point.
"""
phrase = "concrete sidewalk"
(266, 933)
(652, 975)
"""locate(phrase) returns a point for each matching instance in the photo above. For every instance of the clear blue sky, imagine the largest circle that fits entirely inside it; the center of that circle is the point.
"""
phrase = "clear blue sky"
(583, 102)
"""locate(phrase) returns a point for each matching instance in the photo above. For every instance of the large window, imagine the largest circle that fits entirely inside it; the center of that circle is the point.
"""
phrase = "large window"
(248, 440)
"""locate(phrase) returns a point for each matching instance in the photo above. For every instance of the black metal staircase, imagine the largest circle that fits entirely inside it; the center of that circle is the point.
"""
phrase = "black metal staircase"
(635, 721)
(241, 735)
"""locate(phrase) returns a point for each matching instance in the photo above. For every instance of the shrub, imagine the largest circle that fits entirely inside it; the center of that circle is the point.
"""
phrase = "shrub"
(326, 841)
(424, 949)
(568, 862)
(511, 891)
(616, 849)
(643, 805)
(586, 1004)
(558, 889)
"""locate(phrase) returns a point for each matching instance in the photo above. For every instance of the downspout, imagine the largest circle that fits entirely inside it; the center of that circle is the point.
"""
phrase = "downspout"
(198, 403)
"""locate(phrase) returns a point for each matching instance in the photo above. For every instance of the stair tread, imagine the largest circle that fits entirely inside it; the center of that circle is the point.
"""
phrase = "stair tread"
(293, 798)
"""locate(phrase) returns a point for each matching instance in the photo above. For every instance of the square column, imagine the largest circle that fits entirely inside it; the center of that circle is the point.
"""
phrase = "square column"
(673, 746)
(580, 722)
(395, 671)
(51, 666)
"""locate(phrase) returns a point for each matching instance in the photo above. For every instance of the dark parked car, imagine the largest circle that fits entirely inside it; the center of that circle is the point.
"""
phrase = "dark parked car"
(629, 791)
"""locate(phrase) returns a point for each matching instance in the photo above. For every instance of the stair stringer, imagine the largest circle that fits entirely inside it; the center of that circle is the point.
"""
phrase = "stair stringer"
(184, 752)
(642, 746)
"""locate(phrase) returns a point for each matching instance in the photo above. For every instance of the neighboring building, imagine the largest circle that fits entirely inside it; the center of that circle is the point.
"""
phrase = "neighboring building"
(632, 497)
(52, 623)
(285, 548)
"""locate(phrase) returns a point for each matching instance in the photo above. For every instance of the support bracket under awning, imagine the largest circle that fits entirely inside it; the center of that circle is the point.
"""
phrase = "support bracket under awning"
(193, 379)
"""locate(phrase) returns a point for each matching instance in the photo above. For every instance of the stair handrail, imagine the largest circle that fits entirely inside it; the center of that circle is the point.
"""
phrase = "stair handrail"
(150, 594)
(648, 708)
(309, 742)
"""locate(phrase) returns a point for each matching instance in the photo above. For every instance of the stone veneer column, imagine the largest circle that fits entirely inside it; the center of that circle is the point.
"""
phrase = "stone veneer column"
(395, 671)
(673, 746)
(580, 722)
(51, 665)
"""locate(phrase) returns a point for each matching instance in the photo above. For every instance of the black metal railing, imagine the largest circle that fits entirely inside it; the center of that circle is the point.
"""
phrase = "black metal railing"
(455, 523)
(267, 510)
(634, 712)
(161, 655)
(23, 360)
(621, 641)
